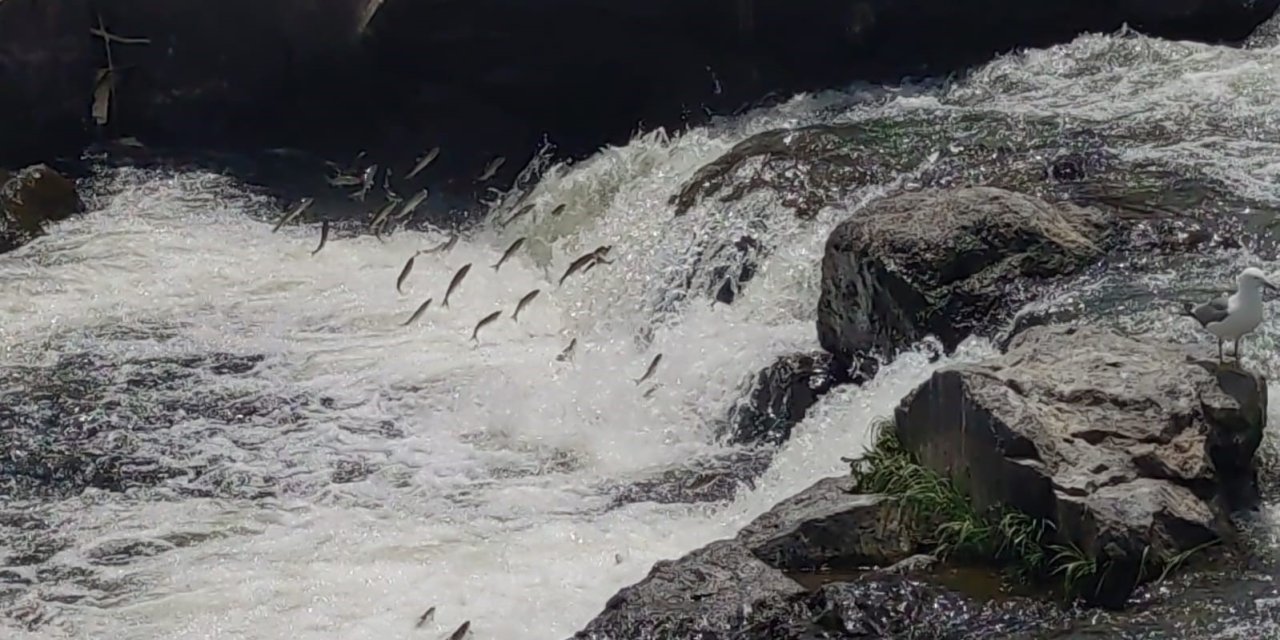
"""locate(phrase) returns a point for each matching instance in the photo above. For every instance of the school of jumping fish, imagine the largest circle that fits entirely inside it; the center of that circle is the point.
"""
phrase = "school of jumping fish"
(386, 218)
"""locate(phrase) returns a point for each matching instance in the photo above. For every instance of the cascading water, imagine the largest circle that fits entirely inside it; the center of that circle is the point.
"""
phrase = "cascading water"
(211, 433)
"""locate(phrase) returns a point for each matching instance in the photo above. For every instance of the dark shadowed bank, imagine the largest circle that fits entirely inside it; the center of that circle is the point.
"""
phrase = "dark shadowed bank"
(493, 77)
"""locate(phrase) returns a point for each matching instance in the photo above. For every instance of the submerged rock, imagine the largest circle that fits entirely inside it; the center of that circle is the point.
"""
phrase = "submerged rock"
(29, 199)
(829, 525)
(1133, 450)
(782, 394)
(706, 594)
(944, 263)
(706, 479)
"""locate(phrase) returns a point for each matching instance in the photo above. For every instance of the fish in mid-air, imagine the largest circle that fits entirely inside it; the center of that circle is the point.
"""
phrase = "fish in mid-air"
(426, 617)
(558, 210)
(461, 631)
(412, 204)
(422, 164)
(447, 245)
(492, 169)
(457, 280)
(366, 182)
(515, 246)
(417, 314)
(324, 236)
(524, 302)
(380, 218)
(294, 213)
(475, 333)
(589, 260)
(519, 212)
(567, 354)
(652, 367)
(404, 273)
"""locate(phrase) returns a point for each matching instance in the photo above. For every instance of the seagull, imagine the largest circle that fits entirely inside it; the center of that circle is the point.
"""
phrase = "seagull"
(1231, 317)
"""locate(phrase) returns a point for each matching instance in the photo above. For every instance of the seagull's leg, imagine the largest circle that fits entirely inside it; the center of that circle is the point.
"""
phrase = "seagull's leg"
(1238, 349)
(1219, 350)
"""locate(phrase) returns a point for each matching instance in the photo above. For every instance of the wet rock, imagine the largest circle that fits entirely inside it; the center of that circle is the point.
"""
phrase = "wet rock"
(707, 479)
(944, 263)
(884, 606)
(705, 594)
(31, 198)
(830, 525)
(1266, 35)
(45, 78)
(783, 393)
(1134, 450)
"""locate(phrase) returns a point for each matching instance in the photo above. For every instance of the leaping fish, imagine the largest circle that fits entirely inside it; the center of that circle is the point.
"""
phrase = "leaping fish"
(586, 261)
(507, 254)
(558, 210)
(422, 164)
(567, 354)
(297, 211)
(484, 321)
(379, 220)
(457, 280)
(426, 617)
(366, 182)
(412, 204)
(523, 210)
(461, 632)
(417, 314)
(404, 273)
(324, 236)
(648, 372)
(524, 302)
(492, 169)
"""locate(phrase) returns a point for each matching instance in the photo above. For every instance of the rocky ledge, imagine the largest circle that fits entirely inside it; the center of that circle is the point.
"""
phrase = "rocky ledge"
(31, 198)
(1080, 458)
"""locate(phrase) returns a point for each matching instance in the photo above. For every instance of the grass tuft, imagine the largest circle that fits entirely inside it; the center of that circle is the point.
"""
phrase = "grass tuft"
(945, 521)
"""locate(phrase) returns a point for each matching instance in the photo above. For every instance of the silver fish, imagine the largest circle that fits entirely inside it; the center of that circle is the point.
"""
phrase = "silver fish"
(523, 210)
(297, 211)
(417, 314)
(652, 366)
(484, 321)
(426, 617)
(649, 394)
(457, 280)
(515, 246)
(558, 210)
(380, 219)
(567, 354)
(422, 164)
(404, 273)
(386, 186)
(447, 245)
(412, 204)
(461, 632)
(524, 302)
(492, 169)
(587, 260)
(343, 180)
(366, 182)
(324, 236)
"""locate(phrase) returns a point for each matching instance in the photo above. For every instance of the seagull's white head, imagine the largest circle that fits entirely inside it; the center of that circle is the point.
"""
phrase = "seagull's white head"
(1254, 277)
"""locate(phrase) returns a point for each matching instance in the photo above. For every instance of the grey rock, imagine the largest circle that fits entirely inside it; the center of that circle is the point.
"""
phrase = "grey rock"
(827, 524)
(885, 606)
(706, 594)
(944, 262)
(1124, 444)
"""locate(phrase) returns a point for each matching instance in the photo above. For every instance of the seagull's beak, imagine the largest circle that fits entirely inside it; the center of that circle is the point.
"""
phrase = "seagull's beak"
(1270, 285)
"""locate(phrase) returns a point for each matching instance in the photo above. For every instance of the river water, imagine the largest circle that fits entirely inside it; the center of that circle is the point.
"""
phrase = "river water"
(215, 434)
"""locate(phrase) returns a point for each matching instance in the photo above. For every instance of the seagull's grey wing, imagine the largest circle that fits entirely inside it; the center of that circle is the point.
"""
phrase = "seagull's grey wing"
(1212, 311)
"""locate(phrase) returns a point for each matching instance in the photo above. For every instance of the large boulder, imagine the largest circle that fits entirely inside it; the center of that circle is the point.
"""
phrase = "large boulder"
(31, 198)
(829, 525)
(46, 78)
(705, 594)
(944, 263)
(1134, 450)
